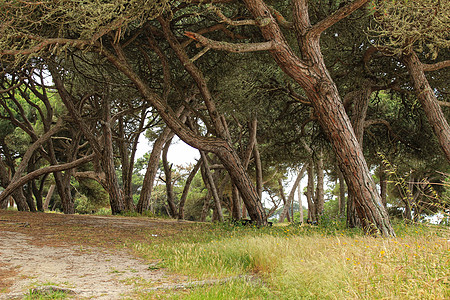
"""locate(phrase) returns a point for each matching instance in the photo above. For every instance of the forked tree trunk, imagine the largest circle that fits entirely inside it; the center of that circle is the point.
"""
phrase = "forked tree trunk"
(312, 75)
(290, 199)
(212, 186)
(152, 169)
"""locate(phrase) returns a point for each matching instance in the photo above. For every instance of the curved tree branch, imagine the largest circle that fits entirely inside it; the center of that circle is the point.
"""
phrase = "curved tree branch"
(50, 169)
(231, 47)
(436, 66)
(338, 15)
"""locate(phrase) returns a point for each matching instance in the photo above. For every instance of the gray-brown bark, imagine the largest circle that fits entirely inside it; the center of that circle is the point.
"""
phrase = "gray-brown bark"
(290, 199)
(312, 215)
(115, 195)
(319, 199)
(342, 190)
(212, 186)
(18, 196)
(48, 197)
(168, 180)
(35, 174)
(428, 101)
(186, 189)
(311, 73)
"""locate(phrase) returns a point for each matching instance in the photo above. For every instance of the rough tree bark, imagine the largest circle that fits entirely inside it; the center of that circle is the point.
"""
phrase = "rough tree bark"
(428, 101)
(168, 180)
(115, 196)
(311, 73)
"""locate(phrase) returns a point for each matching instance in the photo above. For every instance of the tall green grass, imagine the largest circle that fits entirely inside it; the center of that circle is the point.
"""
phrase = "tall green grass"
(303, 262)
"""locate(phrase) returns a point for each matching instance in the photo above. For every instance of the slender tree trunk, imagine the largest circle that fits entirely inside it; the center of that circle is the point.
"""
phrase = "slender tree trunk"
(285, 201)
(259, 173)
(383, 185)
(429, 102)
(49, 196)
(290, 200)
(169, 185)
(236, 213)
(153, 163)
(341, 192)
(186, 189)
(312, 216)
(300, 203)
(212, 185)
(320, 195)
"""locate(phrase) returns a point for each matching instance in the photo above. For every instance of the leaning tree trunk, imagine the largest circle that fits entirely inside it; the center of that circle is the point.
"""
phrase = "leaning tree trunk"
(212, 185)
(18, 196)
(312, 75)
(429, 102)
(186, 189)
(290, 199)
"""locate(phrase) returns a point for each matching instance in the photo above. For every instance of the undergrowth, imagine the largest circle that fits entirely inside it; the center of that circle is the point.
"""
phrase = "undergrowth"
(307, 262)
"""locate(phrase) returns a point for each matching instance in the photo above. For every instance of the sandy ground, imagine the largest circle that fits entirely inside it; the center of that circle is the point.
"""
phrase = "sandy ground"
(86, 271)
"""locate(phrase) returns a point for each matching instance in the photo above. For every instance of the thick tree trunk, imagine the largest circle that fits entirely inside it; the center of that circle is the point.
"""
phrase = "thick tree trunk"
(429, 102)
(115, 195)
(18, 196)
(48, 197)
(126, 167)
(153, 163)
(152, 169)
(29, 197)
(218, 146)
(312, 75)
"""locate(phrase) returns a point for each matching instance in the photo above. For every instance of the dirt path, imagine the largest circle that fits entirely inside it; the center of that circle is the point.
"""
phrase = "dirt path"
(36, 254)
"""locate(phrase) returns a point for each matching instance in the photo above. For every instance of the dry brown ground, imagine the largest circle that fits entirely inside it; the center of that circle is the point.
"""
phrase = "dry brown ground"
(84, 254)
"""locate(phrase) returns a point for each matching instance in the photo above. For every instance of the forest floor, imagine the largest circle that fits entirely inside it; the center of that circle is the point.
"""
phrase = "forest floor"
(80, 255)
(56, 256)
